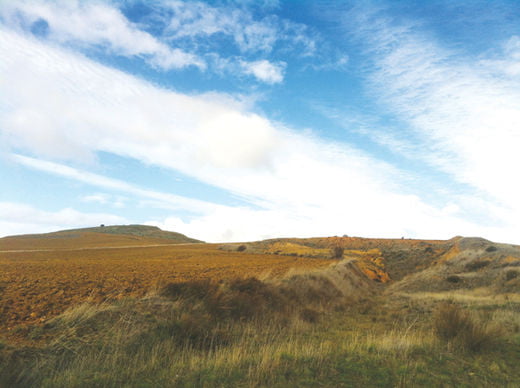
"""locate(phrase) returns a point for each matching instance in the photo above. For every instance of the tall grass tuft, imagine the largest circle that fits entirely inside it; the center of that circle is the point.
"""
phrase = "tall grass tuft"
(463, 330)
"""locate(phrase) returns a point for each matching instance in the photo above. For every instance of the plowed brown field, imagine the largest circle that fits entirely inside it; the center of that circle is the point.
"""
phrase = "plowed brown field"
(39, 284)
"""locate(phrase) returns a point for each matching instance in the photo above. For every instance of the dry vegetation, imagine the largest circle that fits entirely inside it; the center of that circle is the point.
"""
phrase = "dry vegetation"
(462, 328)
(382, 314)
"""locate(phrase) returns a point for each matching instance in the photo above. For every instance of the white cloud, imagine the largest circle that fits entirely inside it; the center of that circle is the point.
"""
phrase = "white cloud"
(187, 34)
(99, 198)
(62, 106)
(265, 70)
(467, 115)
(80, 117)
(105, 199)
(262, 70)
(96, 24)
(195, 20)
(509, 62)
(327, 64)
(172, 201)
(16, 218)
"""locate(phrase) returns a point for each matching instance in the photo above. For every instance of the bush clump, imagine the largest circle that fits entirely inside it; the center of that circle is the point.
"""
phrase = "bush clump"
(511, 274)
(195, 289)
(454, 279)
(476, 265)
(337, 252)
(464, 331)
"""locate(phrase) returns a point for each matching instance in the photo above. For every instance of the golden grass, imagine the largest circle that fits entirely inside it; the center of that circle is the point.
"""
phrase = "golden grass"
(465, 329)
(511, 260)
(480, 296)
(288, 248)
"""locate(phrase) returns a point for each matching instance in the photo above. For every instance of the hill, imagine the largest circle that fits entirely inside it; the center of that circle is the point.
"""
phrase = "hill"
(413, 265)
(469, 264)
(101, 236)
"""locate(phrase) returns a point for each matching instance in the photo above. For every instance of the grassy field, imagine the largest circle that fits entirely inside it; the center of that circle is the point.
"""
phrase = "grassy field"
(312, 322)
(183, 339)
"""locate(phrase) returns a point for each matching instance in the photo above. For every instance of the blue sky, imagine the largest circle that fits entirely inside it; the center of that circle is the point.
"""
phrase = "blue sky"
(235, 121)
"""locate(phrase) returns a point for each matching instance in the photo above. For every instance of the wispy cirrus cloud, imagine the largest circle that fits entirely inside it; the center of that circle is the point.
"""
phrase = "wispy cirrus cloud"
(116, 201)
(92, 25)
(463, 111)
(167, 200)
(195, 20)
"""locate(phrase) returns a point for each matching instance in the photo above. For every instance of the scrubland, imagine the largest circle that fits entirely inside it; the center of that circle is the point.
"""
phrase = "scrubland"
(316, 321)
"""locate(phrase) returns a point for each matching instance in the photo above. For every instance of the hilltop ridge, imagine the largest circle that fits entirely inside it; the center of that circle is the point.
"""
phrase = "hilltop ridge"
(100, 236)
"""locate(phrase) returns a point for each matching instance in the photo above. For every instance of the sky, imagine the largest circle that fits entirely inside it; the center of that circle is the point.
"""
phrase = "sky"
(248, 120)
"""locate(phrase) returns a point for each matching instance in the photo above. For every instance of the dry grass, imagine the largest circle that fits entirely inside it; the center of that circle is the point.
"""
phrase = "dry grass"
(294, 249)
(484, 296)
(463, 329)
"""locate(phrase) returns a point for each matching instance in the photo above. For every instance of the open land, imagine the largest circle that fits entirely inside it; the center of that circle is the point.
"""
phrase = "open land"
(80, 310)
(42, 277)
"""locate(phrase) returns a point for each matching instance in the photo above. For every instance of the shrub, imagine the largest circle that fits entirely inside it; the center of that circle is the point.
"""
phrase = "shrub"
(337, 252)
(462, 330)
(480, 336)
(476, 265)
(241, 248)
(450, 321)
(193, 329)
(454, 279)
(491, 248)
(195, 289)
(250, 298)
(511, 274)
(310, 315)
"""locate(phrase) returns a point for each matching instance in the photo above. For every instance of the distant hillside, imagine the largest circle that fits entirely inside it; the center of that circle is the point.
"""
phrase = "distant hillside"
(101, 236)
(461, 263)
(470, 263)
(137, 230)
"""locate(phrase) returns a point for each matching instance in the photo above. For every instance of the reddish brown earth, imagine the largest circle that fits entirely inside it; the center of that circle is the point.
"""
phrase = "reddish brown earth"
(37, 285)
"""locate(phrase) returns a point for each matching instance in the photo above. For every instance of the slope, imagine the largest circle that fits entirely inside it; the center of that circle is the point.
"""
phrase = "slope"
(102, 236)
(471, 263)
